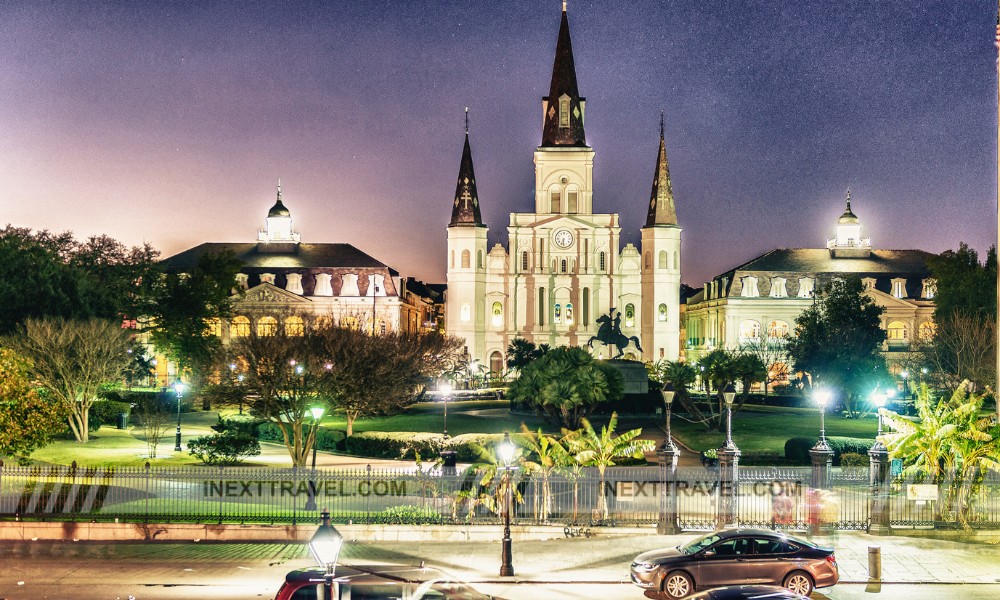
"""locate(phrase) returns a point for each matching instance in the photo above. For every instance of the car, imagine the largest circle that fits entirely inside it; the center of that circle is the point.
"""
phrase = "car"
(379, 582)
(736, 556)
(748, 592)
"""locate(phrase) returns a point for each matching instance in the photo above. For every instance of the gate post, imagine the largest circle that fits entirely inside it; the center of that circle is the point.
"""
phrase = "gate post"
(821, 456)
(878, 483)
(729, 483)
(667, 522)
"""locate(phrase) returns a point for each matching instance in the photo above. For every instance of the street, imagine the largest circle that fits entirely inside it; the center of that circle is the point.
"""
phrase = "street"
(36, 570)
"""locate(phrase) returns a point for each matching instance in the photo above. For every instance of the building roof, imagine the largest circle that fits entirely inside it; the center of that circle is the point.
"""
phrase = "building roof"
(279, 256)
(564, 83)
(465, 208)
(819, 260)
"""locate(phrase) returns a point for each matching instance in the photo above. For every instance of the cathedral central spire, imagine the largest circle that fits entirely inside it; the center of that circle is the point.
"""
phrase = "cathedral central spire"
(564, 108)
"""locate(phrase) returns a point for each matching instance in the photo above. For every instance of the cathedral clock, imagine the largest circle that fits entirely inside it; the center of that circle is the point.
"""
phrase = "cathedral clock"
(563, 238)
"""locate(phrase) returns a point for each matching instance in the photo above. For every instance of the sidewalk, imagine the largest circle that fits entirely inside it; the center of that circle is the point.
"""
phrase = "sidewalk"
(606, 559)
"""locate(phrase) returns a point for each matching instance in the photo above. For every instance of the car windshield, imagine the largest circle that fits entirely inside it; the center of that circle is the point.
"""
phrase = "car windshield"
(700, 543)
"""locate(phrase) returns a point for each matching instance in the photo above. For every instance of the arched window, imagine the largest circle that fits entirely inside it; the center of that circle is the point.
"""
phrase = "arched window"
(497, 315)
(661, 313)
(927, 330)
(896, 331)
(350, 322)
(479, 259)
(524, 260)
(466, 259)
(602, 262)
(663, 259)
(294, 326)
(496, 364)
(562, 266)
(777, 329)
(749, 330)
(267, 326)
(630, 315)
(382, 327)
(569, 313)
(213, 327)
(571, 201)
(648, 259)
(564, 111)
(240, 327)
(557, 314)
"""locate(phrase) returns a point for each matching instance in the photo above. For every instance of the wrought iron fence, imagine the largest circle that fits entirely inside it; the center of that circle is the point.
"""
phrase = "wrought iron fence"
(769, 497)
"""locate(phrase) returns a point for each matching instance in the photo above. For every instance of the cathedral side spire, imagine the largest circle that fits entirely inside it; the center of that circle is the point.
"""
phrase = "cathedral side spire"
(564, 108)
(661, 200)
(465, 209)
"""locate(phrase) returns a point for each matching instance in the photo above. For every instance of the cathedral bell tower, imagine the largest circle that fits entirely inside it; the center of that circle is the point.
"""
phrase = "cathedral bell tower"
(466, 311)
(661, 267)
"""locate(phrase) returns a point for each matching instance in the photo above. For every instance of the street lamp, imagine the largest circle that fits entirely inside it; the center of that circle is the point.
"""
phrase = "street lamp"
(822, 398)
(505, 452)
(905, 375)
(729, 458)
(325, 547)
(179, 390)
(821, 456)
(729, 394)
(668, 456)
(317, 414)
(446, 392)
(878, 467)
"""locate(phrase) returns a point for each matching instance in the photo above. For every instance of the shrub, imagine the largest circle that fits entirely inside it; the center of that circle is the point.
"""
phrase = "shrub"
(244, 424)
(326, 439)
(105, 412)
(222, 449)
(408, 514)
(394, 444)
(853, 459)
(797, 448)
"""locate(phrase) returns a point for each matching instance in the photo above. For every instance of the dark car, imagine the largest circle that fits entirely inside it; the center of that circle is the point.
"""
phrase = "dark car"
(736, 556)
(376, 583)
(748, 592)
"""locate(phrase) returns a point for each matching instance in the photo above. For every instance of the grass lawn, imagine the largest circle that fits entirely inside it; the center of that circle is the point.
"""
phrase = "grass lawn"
(114, 447)
(766, 428)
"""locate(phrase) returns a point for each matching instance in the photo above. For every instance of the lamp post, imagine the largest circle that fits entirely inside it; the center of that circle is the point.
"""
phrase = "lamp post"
(179, 390)
(729, 458)
(317, 414)
(668, 455)
(325, 547)
(446, 392)
(906, 389)
(878, 471)
(505, 452)
(821, 456)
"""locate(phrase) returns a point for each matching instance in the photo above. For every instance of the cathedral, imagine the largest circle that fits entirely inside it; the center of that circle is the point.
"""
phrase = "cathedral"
(564, 277)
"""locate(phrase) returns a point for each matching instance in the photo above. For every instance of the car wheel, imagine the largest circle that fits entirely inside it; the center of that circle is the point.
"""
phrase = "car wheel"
(678, 585)
(799, 582)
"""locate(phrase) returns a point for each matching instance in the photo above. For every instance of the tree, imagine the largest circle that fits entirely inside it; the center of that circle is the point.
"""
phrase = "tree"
(45, 274)
(963, 349)
(602, 450)
(180, 307)
(27, 420)
(951, 444)
(73, 359)
(772, 353)
(550, 456)
(372, 375)
(566, 384)
(747, 369)
(964, 285)
(153, 419)
(838, 342)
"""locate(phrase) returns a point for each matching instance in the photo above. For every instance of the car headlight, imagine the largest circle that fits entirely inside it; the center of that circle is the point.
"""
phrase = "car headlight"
(644, 566)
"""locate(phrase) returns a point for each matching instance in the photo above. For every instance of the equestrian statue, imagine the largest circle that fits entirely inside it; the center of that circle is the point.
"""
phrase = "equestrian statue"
(610, 334)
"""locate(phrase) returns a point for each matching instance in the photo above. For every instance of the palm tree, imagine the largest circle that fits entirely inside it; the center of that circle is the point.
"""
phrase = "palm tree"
(951, 444)
(488, 468)
(601, 450)
(551, 457)
(748, 369)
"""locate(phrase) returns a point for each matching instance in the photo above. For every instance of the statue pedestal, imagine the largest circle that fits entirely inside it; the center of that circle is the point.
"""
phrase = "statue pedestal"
(635, 375)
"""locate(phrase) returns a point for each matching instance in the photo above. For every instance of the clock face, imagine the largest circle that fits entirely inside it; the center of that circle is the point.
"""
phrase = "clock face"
(563, 238)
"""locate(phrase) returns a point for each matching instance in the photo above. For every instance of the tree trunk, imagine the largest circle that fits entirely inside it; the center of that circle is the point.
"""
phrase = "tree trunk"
(351, 416)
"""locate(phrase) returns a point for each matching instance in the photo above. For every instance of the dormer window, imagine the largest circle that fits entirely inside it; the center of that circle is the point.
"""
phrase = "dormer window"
(564, 111)
(868, 283)
(778, 287)
(899, 288)
(749, 287)
(806, 286)
(930, 287)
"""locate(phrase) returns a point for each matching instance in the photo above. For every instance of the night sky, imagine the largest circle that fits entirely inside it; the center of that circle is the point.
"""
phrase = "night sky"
(171, 122)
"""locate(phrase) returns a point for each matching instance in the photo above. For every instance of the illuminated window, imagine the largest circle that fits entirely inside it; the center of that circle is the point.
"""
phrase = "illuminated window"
(661, 313)
(294, 326)
(350, 322)
(267, 326)
(806, 285)
(564, 111)
(749, 287)
(899, 288)
(777, 329)
(930, 288)
(213, 327)
(497, 315)
(557, 314)
(927, 330)
(569, 313)
(896, 331)
(466, 259)
(749, 330)
(630, 315)
(240, 327)
(778, 287)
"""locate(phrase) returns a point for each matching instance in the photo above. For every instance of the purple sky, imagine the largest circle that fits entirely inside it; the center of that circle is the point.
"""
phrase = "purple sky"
(170, 122)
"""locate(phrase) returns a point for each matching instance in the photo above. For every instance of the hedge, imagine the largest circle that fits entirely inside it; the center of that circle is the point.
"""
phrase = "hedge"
(797, 448)
(105, 412)
(326, 439)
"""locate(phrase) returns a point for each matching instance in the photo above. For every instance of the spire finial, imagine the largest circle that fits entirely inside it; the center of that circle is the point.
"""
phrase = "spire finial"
(661, 123)
(279, 188)
(848, 198)
(466, 120)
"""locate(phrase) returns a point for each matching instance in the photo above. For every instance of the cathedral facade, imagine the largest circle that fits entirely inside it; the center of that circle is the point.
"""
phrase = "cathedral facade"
(564, 276)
